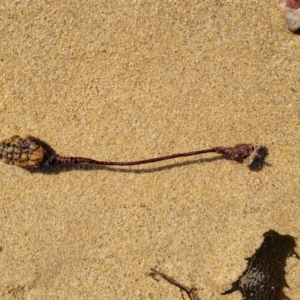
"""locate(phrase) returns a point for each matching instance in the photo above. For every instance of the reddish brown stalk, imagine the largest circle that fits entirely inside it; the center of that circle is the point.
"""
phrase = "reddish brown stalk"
(32, 152)
(63, 160)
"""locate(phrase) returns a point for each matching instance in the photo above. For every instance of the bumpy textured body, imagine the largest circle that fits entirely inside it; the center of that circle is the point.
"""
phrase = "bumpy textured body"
(27, 152)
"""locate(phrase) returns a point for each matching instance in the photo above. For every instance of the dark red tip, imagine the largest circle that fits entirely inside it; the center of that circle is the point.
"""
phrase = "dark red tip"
(293, 4)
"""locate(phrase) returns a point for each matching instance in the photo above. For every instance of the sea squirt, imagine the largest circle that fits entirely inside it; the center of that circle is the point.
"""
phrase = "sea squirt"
(31, 152)
(264, 277)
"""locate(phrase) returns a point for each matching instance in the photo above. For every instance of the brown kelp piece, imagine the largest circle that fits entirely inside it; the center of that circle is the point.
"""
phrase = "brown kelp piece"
(31, 152)
(264, 277)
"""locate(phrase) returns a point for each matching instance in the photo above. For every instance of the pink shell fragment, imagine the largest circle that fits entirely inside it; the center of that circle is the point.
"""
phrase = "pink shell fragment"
(290, 10)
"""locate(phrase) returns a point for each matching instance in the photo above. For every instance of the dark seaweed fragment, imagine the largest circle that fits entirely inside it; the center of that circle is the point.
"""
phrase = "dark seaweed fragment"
(264, 277)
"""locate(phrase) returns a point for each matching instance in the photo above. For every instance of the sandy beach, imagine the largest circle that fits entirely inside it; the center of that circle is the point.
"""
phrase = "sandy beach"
(128, 80)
